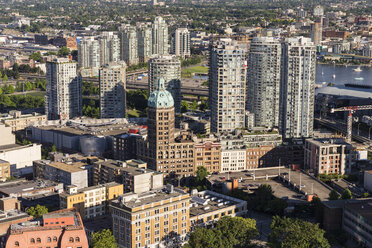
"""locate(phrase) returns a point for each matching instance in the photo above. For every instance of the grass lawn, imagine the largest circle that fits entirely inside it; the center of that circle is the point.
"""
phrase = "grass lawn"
(196, 69)
(135, 113)
(36, 93)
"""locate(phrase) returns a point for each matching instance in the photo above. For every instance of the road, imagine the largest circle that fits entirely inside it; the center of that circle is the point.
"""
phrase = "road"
(360, 136)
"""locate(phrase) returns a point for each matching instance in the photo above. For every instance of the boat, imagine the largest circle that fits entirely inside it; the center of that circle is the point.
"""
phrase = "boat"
(334, 76)
(357, 69)
(359, 79)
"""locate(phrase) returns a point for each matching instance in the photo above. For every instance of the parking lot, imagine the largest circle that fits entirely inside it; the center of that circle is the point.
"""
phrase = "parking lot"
(251, 179)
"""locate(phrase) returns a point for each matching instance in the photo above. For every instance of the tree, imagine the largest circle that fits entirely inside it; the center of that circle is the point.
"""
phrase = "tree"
(230, 232)
(264, 194)
(205, 238)
(103, 239)
(36, 56)
(295, 233)
(194, 105)
(5, 78)
(38, 211)
(184, 107)
(236, 231)
(1, 91)
(201, 174)
(203, 106)
(346, 194)
(333, 195)
(64, 51)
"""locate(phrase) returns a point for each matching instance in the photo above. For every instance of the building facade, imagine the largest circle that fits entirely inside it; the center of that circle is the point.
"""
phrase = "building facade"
(327, 156)
(263, 81)
(129, 45)
(169, 68)
(18, 121)
(63, 98)
(163, 151)
(147, 219)
(297, 88)
(62, 228)
(208, 154)
(109, 44)
(144, 35)
(92, 201)
(89, 55)
(316, 30)
(181, 43)
(227, 86)
(160, 40)
(4, 170)
(112, 86)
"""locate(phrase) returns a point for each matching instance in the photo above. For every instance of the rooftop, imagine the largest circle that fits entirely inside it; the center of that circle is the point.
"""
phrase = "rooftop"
(82, 190)
(328, 142)
(210, 201)
(70, 167)
(131, 200)
(23, 186)
(134, 167)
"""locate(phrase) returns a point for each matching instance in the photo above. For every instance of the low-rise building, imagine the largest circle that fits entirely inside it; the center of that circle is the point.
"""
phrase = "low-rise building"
(368, 180)
(208, 154)
(62, 228)
(146, 219)
(4, 170)
(356, 221)
(92, 201)
(18, 121)
(10, 213)
(70, 173)
(326, 156)
(125, 145)
(233, 160)
(207, 207)
(133, 174)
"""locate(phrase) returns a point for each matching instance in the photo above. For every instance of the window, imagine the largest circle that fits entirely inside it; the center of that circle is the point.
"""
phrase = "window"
(54, 239)
(32, 240)
(16, 243)
(49, 239)
(71, 239)
(77, 239)
(38, 240)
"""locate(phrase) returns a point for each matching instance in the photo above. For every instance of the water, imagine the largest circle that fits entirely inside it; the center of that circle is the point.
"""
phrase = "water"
(344, 74)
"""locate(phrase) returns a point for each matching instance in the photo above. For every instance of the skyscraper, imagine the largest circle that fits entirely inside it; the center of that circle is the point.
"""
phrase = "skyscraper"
(109, 48)
(144, 35)
(129, 45)
(181, 42)
(89, 53)
(112, 84)
(160, 44)
(227, 86)
(63, 90)
(263, 81)
(297, 88)
(316, 30)
(162, 150)
(167, 67)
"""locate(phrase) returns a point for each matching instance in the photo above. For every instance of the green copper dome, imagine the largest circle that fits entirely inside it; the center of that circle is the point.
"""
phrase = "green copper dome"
(160, 98)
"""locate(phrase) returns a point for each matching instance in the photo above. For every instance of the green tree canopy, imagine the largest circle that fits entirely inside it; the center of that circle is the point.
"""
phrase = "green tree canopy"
(38, 211)
(36, 56)
(230, 232)
(295, 233)
(346, 194)
(184, 107)
(64, 51)
(201, 174)
(333, 195)
(103, 239)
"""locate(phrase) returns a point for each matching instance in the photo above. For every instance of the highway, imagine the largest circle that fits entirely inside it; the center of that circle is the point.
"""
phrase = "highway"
(189, 88)
(341, 127)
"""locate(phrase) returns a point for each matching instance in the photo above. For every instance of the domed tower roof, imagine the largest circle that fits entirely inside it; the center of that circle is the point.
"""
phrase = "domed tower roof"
(160, 98)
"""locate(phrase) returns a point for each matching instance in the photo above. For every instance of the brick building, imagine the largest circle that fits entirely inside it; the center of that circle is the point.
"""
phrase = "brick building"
(62, 228)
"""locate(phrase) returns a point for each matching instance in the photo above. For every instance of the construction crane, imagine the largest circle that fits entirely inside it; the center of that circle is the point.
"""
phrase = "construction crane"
(351, 110)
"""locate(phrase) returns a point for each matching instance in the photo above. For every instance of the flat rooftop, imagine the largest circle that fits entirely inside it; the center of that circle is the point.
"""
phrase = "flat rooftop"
(23, 186)
(137, 200)
(327, 142)
(209, 201)
(82, 190)
(68, 167)
(134, 167)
